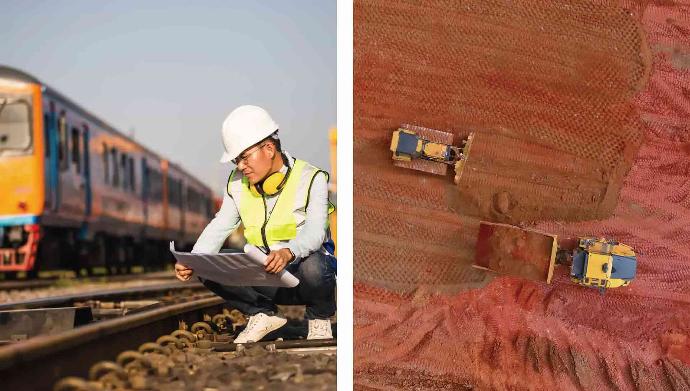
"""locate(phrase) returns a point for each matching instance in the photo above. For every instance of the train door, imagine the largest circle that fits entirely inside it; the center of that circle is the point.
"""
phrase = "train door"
(52, 170)
(166, 193)
(86, 172)
(70, 185)
(77, 184)
(183, 206)
(145, 186)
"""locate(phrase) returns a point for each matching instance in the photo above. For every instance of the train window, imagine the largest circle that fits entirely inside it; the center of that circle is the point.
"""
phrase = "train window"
(85, 152)
(106, 166)
(66, 145)
(177, 193)
(62, 141)
(15, 122)
(171, 193)
(151, 174)
(116, 171)
(156, 185)
(46, 134)
(207, 207)
(144, 178)
(159, 186)
(123, 165)
(132, 184)
(76, 158)
(171, 190)
(191, 199)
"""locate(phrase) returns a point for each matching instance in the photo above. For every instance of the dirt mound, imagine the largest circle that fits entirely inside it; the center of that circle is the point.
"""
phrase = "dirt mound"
(582, 108)
(518, 334)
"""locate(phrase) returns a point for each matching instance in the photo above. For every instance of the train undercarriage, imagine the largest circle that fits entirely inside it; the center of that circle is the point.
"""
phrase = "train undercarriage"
(32, 248)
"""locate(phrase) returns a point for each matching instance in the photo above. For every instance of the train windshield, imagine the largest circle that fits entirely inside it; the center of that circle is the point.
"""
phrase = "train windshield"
(15, 123)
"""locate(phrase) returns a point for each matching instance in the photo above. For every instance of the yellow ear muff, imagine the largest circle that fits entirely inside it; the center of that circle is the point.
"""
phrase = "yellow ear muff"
(269, 186)
(273, 184)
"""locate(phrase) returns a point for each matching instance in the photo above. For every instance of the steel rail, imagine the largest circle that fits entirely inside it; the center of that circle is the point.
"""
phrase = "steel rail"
(39, 362)
(108, 294)
(49, 281)
(278, 345)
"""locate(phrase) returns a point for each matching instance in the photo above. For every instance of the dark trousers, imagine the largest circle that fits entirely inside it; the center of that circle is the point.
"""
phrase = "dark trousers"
(316, 290)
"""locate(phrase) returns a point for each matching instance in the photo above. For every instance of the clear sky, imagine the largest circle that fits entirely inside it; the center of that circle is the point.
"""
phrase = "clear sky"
(170, 71)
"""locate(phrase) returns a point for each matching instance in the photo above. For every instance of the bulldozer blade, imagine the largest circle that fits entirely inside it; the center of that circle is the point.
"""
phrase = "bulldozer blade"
(515, 251)
(429, 166)
(460, 164)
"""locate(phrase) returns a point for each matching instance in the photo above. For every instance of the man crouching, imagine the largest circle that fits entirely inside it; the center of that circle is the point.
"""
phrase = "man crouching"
(283, 204)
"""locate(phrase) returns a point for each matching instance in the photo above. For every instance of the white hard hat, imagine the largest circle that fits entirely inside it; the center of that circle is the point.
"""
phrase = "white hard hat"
(244, 127)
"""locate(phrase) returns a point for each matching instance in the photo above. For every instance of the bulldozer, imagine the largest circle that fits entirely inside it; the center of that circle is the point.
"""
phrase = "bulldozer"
(598, 263)
(428, 150)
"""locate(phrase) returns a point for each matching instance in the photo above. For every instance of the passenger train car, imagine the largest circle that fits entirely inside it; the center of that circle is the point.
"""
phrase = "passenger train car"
(75, 192)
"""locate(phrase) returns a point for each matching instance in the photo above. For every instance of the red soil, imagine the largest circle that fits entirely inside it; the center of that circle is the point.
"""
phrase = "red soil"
(585, 128)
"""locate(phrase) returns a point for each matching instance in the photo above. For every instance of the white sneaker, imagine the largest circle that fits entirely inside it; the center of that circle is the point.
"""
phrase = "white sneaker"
(320, 329)
(258, 326)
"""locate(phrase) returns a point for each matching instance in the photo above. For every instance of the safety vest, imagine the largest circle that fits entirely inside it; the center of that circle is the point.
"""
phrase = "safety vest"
(263, 227)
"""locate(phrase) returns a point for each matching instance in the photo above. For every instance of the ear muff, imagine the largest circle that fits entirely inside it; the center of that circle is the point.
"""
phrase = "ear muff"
(269, 186)
(273, 184)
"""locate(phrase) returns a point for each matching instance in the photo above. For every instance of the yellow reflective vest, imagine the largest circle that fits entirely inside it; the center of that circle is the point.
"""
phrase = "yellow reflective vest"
(289, 212)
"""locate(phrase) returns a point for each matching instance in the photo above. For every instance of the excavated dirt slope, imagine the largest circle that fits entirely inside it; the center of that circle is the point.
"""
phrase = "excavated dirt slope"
(581, 113)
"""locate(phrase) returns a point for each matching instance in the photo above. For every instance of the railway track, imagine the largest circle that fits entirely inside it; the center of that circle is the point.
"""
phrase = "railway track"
(102, 295)
(180, 346)
(26, 319)
(55, 280)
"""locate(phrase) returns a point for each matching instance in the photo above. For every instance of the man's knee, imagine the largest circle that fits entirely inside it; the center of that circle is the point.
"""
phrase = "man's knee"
(315, 271)
(228, 292)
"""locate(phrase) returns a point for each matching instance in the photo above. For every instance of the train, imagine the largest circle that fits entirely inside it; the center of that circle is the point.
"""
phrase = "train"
(76, 193)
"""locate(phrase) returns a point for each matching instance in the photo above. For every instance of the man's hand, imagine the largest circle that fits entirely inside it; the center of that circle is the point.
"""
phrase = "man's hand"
(182, 272)
(277, 260)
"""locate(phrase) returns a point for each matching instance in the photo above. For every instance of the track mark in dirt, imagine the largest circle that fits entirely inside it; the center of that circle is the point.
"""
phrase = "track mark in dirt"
(641, 376)
(611, 371)
(379, 377)
(676, 374)
(536, 353)
(527, 296)
(583, 370)
(493, 351)
(559, 363)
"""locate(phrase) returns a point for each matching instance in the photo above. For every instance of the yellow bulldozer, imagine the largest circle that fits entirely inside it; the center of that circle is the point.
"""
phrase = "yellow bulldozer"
(428, 150)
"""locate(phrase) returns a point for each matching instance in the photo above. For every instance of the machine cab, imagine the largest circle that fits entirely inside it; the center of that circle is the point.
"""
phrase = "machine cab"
(603, 264)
